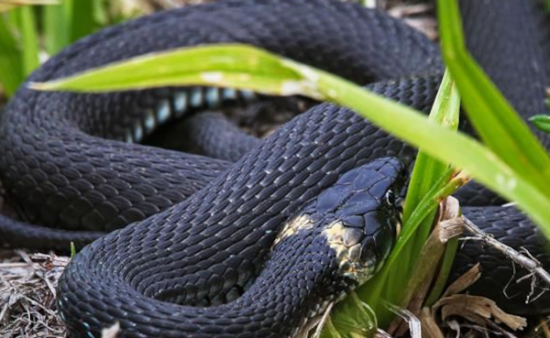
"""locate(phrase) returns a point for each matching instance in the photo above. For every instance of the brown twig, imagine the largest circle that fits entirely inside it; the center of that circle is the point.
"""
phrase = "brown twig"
(525, 260)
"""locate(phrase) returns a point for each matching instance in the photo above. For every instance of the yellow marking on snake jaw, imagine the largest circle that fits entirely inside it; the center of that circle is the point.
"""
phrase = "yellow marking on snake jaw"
(350, 264)
(299, 223)
(334, 234)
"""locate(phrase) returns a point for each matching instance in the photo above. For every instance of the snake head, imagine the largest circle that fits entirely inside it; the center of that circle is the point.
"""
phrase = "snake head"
(365, 217)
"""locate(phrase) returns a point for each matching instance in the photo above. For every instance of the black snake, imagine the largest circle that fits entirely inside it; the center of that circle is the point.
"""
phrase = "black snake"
(197, 260)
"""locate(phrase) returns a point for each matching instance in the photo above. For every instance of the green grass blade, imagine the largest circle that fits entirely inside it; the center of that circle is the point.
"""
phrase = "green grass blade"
(70, 21)
(11, 65)
(329, 331)
(427, 170)
(73, 250)
(83, 21)
(445, 270)
(99, 12)
(493, 117)
(6, 5)
(244, 67)
(542, 122)
(353, 319)
(29, 39)
(57, 26)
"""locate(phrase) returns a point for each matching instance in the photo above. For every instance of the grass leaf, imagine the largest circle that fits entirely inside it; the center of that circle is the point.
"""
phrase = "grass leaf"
(6, 5)
(428, 174)
(57, 26)
(242, 66)
(542, 122)
(11, 61)
(29, 39)
(427, 170)
(493, 117)
(444, 271)
(83, 18)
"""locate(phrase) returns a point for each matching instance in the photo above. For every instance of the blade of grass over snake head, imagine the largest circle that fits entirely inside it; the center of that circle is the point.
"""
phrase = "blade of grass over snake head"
(428, 175)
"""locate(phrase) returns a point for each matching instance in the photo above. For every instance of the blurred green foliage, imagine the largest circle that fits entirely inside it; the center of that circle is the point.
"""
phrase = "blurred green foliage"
(31, 34)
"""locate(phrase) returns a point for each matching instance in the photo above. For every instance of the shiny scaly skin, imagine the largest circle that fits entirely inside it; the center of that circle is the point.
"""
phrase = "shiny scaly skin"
(336, 242)
(203, 229)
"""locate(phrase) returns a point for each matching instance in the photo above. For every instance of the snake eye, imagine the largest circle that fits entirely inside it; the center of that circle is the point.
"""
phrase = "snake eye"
(390, 197)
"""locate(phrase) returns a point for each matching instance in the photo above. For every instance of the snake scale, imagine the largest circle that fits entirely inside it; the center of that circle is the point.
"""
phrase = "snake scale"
(257, 247)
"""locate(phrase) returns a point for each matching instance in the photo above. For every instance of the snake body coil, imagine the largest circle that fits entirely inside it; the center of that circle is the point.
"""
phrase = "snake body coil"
(208, 253)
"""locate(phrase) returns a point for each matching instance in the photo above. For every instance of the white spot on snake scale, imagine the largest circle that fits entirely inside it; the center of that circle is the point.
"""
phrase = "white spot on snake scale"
(196, 98)
(299, 223)
(138, 132)
(149, 120)
(163, 111)
(180, 103)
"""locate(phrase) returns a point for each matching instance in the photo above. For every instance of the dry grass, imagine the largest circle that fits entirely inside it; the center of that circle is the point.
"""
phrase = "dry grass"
(27, 294)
